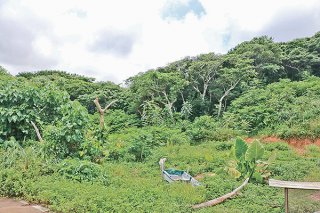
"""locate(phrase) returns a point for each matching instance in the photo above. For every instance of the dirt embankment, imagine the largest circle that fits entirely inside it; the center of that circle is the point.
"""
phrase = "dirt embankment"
(299, 144)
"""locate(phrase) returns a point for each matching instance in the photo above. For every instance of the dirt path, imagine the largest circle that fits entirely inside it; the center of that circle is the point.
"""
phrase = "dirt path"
(8, 205)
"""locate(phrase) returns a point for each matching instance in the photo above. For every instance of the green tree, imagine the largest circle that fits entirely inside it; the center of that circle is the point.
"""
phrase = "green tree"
(22, 102)
(301, 57)
(267, 58)
(3, 71)
(203, 72)
(236, 70)
(161, 87)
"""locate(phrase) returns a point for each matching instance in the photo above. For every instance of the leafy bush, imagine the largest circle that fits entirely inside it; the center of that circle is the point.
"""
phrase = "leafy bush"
(11, 183)
(277, 146)
(207, 128)
(66, 137)
(138, 143)
(22, 102)
(291, 170)
(79, 170)
(93, 148)
(116, 120)
(287, 109)
(223, 146)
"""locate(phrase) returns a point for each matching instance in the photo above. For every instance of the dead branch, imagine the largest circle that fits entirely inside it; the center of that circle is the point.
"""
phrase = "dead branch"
(37, 131)
(222, 198)
(109, 105)
(102, 111)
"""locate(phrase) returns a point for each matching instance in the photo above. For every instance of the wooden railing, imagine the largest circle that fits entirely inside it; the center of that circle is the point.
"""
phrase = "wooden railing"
(293, 185)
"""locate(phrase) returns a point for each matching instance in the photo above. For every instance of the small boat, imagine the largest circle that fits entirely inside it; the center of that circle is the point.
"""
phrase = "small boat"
(172, 175)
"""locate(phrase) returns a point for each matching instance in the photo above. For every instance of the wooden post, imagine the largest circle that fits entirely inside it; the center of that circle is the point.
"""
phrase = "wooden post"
(286, 199)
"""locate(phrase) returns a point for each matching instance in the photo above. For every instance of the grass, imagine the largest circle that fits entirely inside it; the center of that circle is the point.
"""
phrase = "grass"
(139, 187)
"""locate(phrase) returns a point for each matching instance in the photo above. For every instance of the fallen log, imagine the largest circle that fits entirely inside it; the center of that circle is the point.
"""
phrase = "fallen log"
(222, 198)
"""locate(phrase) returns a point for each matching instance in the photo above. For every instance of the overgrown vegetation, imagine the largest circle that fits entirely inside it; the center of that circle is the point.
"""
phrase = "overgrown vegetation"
(190, 111)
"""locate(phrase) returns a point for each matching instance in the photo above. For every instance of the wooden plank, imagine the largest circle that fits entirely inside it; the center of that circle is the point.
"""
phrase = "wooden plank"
(294, 185)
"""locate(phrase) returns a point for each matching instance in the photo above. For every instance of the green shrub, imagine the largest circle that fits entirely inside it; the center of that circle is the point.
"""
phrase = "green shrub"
(207, 128)
(65, 138)
(291, 170)
(222, 146)
(287, 109)
(313, 150)
(277, 146)
(22, 102)
(116, 120)
(11, 182)
(138, 143)
(93, 148)
(79, 170)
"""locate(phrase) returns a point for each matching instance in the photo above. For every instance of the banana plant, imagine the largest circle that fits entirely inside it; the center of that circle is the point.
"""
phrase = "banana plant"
(249, 163)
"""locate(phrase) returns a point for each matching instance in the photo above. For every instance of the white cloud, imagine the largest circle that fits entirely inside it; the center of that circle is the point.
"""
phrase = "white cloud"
(134, 34)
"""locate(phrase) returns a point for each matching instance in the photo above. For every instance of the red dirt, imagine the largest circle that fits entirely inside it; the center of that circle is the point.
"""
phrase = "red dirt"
(298, 144)
(203, 175)
(272, 139)
(315, 196)
(249, 140)
(14, 206)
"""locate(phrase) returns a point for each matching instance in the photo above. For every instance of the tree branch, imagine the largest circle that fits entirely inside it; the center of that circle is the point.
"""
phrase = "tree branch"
(96, 102)
(102, 111)
(286, 65)
(109, 105)
(37, 131)
(226, 93)
(222, 198)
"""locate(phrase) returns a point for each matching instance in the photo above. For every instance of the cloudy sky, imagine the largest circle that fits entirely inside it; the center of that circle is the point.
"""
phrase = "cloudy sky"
(113, 40)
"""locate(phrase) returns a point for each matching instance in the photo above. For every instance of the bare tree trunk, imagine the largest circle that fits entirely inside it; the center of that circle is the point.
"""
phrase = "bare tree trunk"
(37, 132)
(169, 104)
(205, 88)
(226, 93)
(182, 96)
(220, 103)
(102, 111)
(222, 198)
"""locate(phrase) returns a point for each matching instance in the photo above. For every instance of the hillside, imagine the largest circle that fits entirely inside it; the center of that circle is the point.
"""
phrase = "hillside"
(78, 145)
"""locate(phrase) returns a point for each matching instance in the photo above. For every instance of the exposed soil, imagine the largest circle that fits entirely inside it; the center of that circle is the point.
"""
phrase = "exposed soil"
(298, 144)
(14, 206)
(203, 175)
(315, 196)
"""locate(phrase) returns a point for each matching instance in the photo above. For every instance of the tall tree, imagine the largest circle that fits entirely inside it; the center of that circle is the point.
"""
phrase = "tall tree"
(161, 87)
(302, 57)
(236, 70)
(203, 72)
(267, 58)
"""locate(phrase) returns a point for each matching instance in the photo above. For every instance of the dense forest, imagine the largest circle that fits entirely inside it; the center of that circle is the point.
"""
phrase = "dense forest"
(78, 145)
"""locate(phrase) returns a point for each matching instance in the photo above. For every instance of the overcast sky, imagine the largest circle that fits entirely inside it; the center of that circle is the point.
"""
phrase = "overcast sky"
(113, 40)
